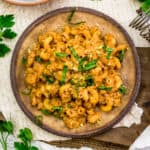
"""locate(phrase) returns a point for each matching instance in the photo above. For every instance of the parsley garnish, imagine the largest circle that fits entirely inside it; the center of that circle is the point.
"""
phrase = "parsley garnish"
(49, 79)
(89, 80)
(108, 51)
(145, 5)
(121, 55)
(6, 129)
(38, 120)
(60, 54)
(26, 137)
(38, 59)
(74, 53)
(57, 108)
(90, 65)
(122, 89)
(57, 111)
(106, 88)
(24, 60)
(46, 112)
(3, 49)
(81, 62)
(6, 22)
(70, 17)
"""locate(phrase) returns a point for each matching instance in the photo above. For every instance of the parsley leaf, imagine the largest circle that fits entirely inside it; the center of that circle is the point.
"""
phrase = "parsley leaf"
(6, 21)
(6, 128)
(34, 148)
(4, 49)
(145, 5)
(20, 146)
(9, 34)
(26, 137)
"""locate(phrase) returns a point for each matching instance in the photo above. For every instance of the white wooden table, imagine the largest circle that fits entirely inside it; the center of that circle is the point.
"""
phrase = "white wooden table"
(121, 10)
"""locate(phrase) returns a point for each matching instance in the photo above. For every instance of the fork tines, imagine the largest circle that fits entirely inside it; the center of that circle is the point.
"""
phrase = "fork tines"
(142, 23)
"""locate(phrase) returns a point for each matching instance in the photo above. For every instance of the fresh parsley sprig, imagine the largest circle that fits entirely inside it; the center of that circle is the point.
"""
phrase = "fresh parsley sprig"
(6, 23)
(108, 51)
(70, 17)
(6, 129)
(26, 137)
(145, 5)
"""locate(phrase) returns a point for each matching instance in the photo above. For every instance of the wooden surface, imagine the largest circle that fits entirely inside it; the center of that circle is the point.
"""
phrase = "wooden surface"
(121, 138)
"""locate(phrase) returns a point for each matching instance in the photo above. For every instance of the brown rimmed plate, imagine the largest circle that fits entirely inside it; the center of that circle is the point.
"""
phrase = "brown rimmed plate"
(130, 71)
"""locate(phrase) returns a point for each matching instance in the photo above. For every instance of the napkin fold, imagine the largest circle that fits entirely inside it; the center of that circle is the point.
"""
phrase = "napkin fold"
(143, 141)
(132, 117)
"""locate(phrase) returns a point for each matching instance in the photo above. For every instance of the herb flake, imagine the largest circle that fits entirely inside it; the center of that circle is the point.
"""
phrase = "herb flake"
(64, 73)
(106, 88)
(122, 89)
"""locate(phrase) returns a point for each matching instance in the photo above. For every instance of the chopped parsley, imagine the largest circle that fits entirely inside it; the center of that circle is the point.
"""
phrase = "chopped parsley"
(121, 55)
(90, 65)
(60, 54)
(108, 51)
(106, 88)
(122, 89)
(64, 73)
(70, 17)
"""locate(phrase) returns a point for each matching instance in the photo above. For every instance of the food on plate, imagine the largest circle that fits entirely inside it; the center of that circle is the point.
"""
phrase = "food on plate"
(74, 74)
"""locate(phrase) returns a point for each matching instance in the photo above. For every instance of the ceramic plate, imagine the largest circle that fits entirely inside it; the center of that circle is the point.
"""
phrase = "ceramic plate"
(130, 71)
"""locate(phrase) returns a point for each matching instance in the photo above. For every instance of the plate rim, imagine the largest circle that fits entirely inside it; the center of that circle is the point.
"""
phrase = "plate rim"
(134, 94)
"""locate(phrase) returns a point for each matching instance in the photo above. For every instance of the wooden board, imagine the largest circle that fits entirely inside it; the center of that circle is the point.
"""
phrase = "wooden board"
(121, 138)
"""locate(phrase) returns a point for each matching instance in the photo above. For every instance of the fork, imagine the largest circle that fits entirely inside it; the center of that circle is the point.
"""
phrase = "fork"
(142, 23)
(141, 20)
